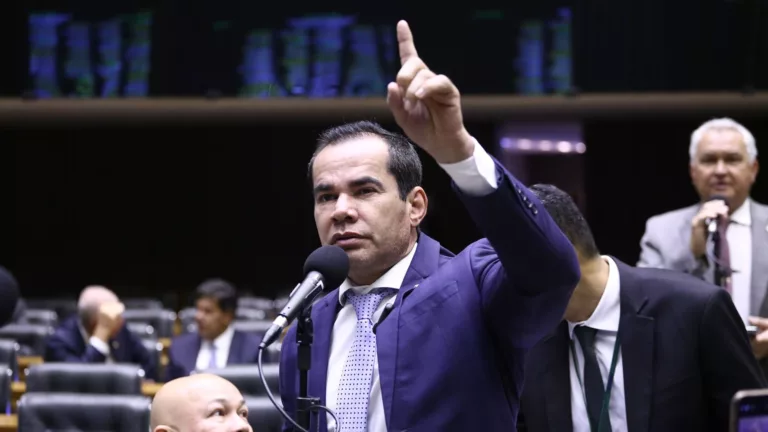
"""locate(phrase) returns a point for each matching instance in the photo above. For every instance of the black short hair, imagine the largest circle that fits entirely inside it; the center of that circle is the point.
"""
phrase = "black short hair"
(567, 216)
(404, 163)
(221, 291)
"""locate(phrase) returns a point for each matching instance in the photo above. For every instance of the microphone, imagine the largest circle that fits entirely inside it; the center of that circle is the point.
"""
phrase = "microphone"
(712, 222)
(324, 270)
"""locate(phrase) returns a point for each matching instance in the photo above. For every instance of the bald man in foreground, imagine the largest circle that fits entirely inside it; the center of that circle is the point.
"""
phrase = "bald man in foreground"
(97, 334)
(197, 403)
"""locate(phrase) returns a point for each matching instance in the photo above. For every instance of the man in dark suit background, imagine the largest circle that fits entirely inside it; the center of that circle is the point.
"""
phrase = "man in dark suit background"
(679, 346)
(98, 334)
(216, 343)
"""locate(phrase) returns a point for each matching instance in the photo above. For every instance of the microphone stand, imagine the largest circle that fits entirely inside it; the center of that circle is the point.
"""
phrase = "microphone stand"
(304, 338)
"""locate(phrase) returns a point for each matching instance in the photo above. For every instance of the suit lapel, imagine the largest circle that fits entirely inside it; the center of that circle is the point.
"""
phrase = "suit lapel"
(190, 354)
(759, 283)
(425, 262)
(557, 378)
(636, 333)
(235, 349)
(323, 317)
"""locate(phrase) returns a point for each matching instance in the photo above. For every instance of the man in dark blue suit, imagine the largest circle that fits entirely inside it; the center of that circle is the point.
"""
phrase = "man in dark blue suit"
(448, 353)
(640, 349)
(216, 343)
(97, 334)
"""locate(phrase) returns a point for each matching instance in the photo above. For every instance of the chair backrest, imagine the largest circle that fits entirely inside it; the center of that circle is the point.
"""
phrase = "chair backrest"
(142, 330)
(257, 328)
(247, 379)
(262, 415)
(142, 303)
(161, 319)
(64, 308)
(155, 349)
(262, 303)
(250, 314)
(31, 337)
(9, 356)
(83, 412)
(101, 378)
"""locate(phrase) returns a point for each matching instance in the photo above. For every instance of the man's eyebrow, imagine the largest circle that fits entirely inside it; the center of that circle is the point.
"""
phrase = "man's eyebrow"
(362, 181)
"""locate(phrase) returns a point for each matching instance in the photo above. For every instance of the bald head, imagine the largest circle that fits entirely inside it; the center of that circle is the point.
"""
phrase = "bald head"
(199, 403)
(91, 299)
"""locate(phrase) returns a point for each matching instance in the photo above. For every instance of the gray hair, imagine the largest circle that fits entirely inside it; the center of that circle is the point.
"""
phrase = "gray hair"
(723, 123)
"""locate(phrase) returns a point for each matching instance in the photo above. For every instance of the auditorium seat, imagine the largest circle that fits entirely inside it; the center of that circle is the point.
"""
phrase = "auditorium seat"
(155, 349)
(247, 379)
(254, 327)
(262, 415)
(162, 320)
(41, 316)
(250, 314)
(64, 308)
(9, 356)
(101, 378)
(142, 303)
(31, 337)
(6, 376)
(261, 303)
(43, 412)
(142, 330)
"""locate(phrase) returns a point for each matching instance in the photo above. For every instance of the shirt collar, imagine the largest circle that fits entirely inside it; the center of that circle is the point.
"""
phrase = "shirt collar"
(608, 311)
(223, 340)
(393, 278)
(743, 214)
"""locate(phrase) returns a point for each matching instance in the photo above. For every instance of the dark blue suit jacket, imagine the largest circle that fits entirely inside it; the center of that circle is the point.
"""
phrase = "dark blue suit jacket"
(685, 352)
(182, 354)
(66, 344)
(452, 350)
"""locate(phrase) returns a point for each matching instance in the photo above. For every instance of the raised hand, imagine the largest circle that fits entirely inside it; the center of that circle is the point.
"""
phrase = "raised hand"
(427, 106)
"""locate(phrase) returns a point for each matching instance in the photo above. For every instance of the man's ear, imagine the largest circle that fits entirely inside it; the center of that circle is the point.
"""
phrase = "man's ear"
(163, 428)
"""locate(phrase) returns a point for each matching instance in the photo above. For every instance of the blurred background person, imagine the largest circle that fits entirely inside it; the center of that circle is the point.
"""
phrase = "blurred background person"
(215, 344)
(639, 348)
(98, 334)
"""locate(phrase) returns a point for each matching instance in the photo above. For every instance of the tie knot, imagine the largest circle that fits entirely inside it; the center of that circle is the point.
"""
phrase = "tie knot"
(586, 336)
(366, 304)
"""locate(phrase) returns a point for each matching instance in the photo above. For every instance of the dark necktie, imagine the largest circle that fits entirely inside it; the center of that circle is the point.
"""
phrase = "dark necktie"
(724, 255)
(593, 379)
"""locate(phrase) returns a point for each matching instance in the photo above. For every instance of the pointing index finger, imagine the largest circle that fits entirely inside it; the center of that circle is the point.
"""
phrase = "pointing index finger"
(405, 42)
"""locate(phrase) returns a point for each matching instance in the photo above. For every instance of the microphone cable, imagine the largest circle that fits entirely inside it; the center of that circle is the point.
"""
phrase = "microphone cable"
(280, 408)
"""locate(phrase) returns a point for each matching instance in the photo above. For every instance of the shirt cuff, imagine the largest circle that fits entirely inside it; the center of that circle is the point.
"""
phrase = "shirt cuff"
(99, 345)
(475, 175)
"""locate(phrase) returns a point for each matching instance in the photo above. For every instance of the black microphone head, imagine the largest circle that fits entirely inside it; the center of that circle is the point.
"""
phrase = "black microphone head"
(9, 296)
(331, 262)
(718, 198)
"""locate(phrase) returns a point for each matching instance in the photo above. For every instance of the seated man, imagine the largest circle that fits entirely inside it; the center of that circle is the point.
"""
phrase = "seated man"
(639, 349)
(97, 334)
(216, 344)
(201, 402)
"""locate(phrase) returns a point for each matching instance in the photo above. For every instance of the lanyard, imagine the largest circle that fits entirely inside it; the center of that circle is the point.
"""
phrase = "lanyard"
(607, 395)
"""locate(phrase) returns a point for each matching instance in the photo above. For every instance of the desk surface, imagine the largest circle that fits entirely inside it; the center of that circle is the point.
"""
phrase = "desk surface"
(9, 423)
(18, 388)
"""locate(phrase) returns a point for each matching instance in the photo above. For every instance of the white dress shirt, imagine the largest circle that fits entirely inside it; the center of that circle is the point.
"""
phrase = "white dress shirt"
(739, 236)
(474, 176)
(605, 319)
(222, 342)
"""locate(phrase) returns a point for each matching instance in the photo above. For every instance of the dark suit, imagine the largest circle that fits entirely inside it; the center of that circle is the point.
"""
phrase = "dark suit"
(66, 344)
(184, 349)
(685, 353)
(451, 352)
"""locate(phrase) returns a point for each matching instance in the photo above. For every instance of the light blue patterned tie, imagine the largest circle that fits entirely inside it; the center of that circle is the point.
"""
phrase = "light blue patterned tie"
(355, 385)
(212, 362)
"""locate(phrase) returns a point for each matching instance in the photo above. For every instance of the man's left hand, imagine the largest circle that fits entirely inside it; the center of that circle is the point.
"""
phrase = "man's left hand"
(427, 106)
